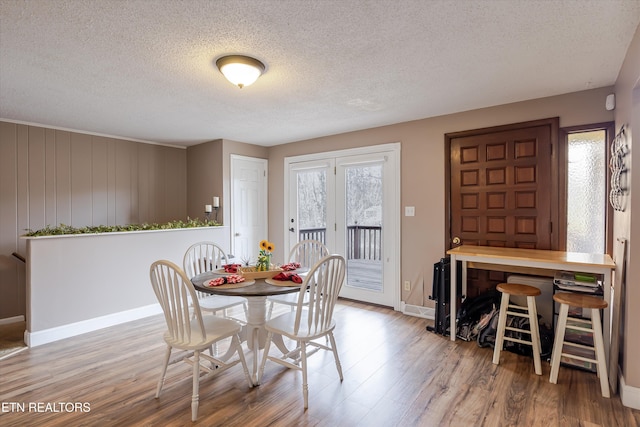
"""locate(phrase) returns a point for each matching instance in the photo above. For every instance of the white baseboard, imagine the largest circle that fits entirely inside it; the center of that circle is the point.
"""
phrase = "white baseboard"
(630, 396)
(417, 311)
(14, 319)
(33, 339)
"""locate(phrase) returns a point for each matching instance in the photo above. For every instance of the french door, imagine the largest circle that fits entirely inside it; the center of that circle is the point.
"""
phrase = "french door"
(349, 200)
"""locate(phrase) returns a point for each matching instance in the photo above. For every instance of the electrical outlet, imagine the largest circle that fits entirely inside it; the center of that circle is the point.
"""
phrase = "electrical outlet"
(407, 285)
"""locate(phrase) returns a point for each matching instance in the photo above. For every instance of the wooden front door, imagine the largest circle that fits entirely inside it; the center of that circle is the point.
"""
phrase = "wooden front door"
(504, 188)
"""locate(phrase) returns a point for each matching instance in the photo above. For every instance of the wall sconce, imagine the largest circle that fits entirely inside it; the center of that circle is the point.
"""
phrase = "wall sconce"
(240, 70)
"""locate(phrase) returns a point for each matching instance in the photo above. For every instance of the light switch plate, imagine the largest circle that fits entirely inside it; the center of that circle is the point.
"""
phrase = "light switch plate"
(409, 211)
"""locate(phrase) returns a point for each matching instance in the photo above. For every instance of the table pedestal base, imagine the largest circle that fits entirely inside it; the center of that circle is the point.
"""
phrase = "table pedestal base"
(255, 335)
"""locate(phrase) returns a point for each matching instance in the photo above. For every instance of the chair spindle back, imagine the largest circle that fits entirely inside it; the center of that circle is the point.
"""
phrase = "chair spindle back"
(176, 295)
(323, 282)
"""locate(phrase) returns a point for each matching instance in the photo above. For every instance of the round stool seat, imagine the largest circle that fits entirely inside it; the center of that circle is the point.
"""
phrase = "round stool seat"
(518, 289)
(580, 300)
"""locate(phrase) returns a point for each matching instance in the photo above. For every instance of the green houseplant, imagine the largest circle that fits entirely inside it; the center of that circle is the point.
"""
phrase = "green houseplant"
(63, 229)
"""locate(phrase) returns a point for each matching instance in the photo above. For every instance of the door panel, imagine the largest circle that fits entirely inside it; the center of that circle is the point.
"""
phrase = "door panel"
(502, 186)
(499, 189)
(248, 206)
(364, 218)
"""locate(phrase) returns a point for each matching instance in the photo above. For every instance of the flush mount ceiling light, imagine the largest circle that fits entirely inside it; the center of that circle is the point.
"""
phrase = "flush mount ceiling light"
(240, 70)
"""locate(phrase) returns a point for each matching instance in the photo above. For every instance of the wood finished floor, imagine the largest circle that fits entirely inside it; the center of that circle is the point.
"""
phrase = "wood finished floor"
(395, 374)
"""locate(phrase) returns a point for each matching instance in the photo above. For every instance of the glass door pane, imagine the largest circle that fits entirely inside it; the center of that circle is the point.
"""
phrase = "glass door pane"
(311, 190)
(312, 205)
(364, 197)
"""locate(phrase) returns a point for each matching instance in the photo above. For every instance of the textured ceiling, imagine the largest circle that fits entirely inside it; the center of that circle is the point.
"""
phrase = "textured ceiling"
(144, 70)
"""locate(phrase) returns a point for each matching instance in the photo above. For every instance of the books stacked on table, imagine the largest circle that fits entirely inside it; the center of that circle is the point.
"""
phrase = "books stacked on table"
(577, 282)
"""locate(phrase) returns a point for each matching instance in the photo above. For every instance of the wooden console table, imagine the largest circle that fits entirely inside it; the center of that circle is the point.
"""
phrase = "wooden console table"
(532, 258)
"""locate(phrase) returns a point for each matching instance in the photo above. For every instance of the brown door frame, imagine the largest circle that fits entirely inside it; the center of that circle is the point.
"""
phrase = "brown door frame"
(559, 228)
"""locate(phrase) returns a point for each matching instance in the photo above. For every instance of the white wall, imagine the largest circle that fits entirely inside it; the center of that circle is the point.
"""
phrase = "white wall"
(79, 283)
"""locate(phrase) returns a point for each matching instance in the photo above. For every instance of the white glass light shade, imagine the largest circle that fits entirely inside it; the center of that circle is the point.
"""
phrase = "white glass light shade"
(240, 70)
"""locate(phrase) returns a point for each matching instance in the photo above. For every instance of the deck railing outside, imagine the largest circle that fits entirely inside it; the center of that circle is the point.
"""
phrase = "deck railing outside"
(318, 234)
(363, 241)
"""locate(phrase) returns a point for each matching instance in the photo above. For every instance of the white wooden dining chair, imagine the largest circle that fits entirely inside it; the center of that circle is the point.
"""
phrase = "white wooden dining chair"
(307, 253)
(208, 256)
(308, 323)
(193, 334)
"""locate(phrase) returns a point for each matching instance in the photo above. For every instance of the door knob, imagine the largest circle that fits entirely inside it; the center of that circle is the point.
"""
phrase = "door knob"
(293, 230)
(456, 240)
(237, 234)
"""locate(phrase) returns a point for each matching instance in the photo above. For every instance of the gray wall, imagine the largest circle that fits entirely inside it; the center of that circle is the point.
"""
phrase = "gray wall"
(423, 177)
(49, 177)
(627, 113)
(209, 174)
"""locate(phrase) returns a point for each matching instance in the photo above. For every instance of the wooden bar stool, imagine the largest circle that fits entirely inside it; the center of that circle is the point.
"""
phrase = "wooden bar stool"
(530, 312)
(593, 326)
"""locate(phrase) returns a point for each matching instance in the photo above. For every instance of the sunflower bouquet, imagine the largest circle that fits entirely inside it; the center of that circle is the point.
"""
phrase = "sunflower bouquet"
(264, 256)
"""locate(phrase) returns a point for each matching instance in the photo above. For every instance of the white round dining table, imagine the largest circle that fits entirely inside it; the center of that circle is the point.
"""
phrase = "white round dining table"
(253, 333)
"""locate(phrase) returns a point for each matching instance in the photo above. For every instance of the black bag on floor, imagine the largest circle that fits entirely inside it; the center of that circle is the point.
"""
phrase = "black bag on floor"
(487, 328)
(487, 335)
(472, 309)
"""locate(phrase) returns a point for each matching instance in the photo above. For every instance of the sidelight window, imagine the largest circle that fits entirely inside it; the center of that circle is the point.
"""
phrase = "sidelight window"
(587, 191)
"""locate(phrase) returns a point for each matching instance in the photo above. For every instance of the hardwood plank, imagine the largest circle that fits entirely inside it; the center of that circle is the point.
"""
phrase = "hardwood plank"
(395, 373)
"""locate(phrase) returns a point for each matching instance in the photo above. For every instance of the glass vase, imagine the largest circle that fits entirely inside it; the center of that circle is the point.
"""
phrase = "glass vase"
(264, 262)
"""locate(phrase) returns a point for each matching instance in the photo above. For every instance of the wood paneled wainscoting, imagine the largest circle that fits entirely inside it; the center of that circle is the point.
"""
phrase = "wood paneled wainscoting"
(395, 374)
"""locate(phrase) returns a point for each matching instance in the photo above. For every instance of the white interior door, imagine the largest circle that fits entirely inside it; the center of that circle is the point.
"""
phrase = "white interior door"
(249, 220)
(350, 200)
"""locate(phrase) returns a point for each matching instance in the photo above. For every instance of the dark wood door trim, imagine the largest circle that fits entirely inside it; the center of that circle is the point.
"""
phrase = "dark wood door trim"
(553, 124)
